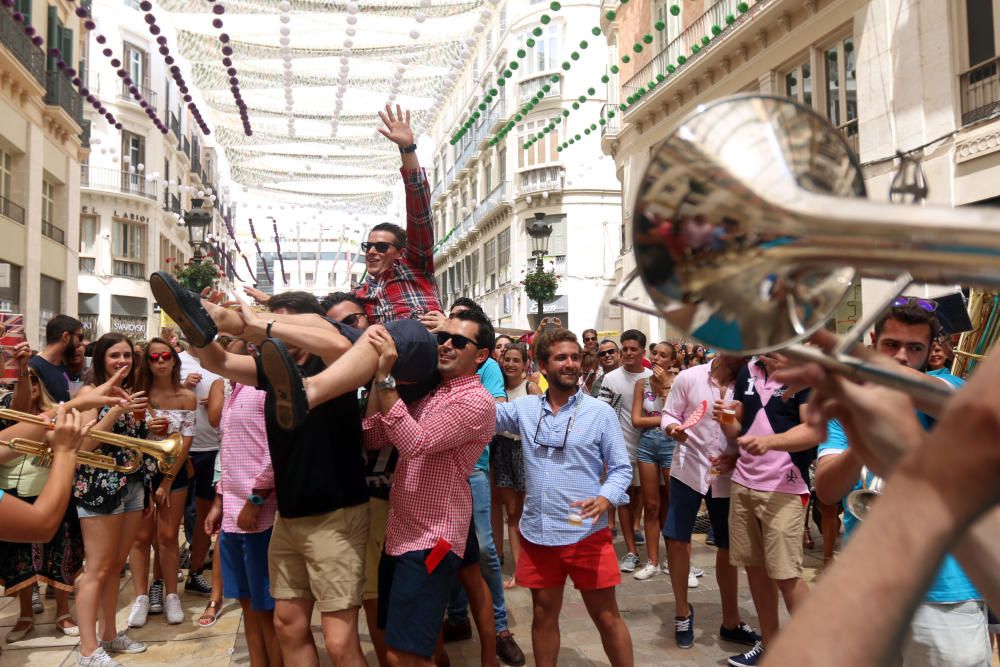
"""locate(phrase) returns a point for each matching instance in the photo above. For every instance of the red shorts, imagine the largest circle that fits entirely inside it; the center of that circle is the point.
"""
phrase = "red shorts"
(592, 564)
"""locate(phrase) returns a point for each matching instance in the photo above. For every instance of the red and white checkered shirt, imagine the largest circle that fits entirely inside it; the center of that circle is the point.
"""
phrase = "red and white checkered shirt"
(407, 288)
(246, 461)
(439, 440)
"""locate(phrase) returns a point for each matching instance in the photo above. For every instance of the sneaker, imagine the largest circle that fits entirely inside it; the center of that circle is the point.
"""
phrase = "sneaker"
(140, 610)
(666, 568)
(648, 570)
(184, 307)
(36, 600)
(629, 562)
(198, 585)
(508, 652)
(172, 609)
(639, 537)
(750, 658)
(98, 658)
(692, 580)
(287, 384)
(684, 630)
(741, 634)
(456, 632)
(122, 643)
(697, 571)
(156, 597)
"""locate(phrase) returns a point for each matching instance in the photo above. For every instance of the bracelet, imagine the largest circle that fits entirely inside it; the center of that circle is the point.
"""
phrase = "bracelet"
(267, 332)
(412, 148)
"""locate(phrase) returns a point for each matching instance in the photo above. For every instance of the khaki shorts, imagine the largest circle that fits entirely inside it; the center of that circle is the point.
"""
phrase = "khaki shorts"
(379, 510)
(320, 558)
(765, 530)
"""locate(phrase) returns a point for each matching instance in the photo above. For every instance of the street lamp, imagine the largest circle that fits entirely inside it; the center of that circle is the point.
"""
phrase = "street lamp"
(197, 221)
(539, 231)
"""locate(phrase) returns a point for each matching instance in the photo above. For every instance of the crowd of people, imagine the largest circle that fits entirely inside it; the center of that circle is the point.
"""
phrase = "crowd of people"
(372, 451)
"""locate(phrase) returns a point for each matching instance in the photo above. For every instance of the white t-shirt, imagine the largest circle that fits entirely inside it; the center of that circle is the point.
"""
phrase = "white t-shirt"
(617, 390)
(206, 436)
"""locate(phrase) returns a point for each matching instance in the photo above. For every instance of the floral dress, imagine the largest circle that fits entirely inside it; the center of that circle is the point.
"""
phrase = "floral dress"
(100, 490)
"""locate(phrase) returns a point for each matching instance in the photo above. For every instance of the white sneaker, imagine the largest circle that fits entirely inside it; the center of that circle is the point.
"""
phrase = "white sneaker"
(697, 571)
(122, 643)
(629, 562)
(648, 570)
(140, 610)
(98, 658)
(666, 568)
(692, 580)
(172, 609)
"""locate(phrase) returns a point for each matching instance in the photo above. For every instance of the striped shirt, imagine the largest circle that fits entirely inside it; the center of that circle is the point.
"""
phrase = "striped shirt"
(246, 462)
(555, 474)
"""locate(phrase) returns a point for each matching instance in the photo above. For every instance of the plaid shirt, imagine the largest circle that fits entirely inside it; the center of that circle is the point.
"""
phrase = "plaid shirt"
(246, 462)
(439, 439)
(407, 289)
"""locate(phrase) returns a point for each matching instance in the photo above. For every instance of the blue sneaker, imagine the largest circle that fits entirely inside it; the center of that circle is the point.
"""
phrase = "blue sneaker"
(741, 634)
(684, 630)
(639, 537)
(750, 658)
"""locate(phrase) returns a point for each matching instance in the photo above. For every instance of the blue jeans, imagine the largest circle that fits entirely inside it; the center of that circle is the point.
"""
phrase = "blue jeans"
(489, 562)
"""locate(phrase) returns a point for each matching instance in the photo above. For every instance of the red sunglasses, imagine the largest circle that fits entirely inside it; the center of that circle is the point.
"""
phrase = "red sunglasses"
(159, 356)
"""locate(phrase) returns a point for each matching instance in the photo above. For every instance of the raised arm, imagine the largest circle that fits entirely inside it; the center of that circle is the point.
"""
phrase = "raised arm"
(239, 368)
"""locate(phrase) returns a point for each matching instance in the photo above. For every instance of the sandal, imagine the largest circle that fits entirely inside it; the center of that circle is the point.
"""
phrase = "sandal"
(210, 615)
(17, 635)
(285, 379)
(68, 630)
(184, 307)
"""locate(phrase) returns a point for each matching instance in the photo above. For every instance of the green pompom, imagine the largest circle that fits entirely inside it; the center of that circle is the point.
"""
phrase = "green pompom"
(558, 149)
(614, 69)
(583, 44)
(546, 88)
(681, 60)
(518, 117)
(675, 10)
(623, 106)
(576, 106)
(605, 79)
(652, 84)
(554, 78)
(637, 47)
(482, 106)
(577, 137)
(494, 92)
(581, 99)
(566, 66)
(521, 53)
(586, 130)
(540, 135)
(647, 38)
(671, 69)
(716, 29)
(591, 91)
(626, 58)
(513, 64)
(660, 78)
(537, 32)
(705, 40)
(529, 42)
(660, 26)
(730, 19)
(555, 6)
(593, 126)
(596, 32)
(544, 19)
(547, 129)
(501, 81)
(743, 7)
(610, 15)
(565, 113)
(641, 91)
(630, 99)
(507, 74)
(695, 48)
(572, 141)
(575, 55)
(611, 113)
(602, 122)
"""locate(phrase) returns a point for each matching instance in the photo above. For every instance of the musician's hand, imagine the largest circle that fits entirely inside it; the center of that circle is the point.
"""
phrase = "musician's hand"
(68, 432)
(591, 508)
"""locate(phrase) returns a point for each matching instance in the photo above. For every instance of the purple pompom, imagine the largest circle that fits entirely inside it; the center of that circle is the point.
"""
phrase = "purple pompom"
(154, 30)
(107, 53)
(60, 64)
(161, 40)
(81, 12)
(18, 16)
(37, 40)
(145, 5)
(89, 24)
(70, 72)
(169, 60)
(187, 98)
(149, 18)
(227, 50)
(115, 62)
(29, 30)
(216, 23)
(164, 51)
(227, 62)
(76, 80)
(101, 39)
(231, 71)
(218, 9)
(224, 38)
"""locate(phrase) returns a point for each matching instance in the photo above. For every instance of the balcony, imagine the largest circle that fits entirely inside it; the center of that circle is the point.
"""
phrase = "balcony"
(147, 93)
(681, 45)
(497, 115)
(14, 40)
(850, 132)
(527, 88)
(175, 126)
(437, 191)
(175, 204)
(186, 146)
(466, 153)
(196, 165)
(542, 179)
(53, 232)
(980, 90)
(499, 197)
(612, 125)
(129, 269)
(88, 265)
(59, 92)
(115, 180)
(11, 211)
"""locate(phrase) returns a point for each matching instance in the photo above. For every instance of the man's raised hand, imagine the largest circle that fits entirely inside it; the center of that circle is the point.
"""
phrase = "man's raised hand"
(397, 126)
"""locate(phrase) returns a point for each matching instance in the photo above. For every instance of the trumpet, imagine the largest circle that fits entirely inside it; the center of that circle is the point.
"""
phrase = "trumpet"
(164, 451)
(43, 456)
(859, 501)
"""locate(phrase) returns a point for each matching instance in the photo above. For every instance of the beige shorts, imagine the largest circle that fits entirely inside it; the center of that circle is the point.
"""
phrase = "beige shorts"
(379, 510)
(320, 558)
(765, 530)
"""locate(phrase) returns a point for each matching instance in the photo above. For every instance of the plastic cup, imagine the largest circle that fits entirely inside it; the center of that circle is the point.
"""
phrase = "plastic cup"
(728, 416)
(574, 518)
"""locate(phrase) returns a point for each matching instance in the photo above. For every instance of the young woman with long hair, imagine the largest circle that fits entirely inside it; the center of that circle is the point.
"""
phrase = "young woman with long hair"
(171, 410)
(499, 346)
(655, 450)
(506, 459)
(110, 506)
(24, 565)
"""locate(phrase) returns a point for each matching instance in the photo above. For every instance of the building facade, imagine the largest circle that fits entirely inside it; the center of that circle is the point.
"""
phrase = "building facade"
(483, 194)
(40, 153)
(918, 76)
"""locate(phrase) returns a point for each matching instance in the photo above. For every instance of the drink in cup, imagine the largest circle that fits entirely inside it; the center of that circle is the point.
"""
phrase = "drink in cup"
(574, 518)
(728, 415)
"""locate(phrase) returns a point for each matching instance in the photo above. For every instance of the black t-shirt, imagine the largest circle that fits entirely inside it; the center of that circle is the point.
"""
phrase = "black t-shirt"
(320, 466)
(55, 378)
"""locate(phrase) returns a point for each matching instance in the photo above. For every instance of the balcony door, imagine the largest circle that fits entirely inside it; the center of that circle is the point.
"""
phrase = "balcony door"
(133, 147)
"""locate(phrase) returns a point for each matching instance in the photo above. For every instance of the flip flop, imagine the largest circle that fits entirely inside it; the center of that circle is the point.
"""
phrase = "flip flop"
(184, 307)
(71, 631)
(214, 608)
(18, 635)
(290, 403)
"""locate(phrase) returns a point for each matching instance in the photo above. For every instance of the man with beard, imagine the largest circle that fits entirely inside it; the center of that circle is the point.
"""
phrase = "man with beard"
(568, 439)
(62, 336)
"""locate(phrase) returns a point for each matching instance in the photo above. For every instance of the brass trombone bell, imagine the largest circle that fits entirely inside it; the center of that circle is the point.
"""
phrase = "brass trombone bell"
(164, 451)
(43, 456)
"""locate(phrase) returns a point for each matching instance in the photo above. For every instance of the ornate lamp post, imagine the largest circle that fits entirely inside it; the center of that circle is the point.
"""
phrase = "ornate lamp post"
(539, 231)
(197, 220)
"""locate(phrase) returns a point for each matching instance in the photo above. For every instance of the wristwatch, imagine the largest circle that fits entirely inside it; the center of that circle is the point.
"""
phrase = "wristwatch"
(255, 499)
(267, 331)
(388, 383)
(412, 148)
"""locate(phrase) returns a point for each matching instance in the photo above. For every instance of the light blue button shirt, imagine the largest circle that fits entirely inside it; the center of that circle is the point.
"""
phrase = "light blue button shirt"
(555, 475)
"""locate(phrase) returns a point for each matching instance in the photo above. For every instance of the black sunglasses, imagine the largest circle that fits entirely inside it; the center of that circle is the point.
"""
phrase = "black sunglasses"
(589, 338)
(352, 319)
(381, 247)
(458, 341)
(606, 353)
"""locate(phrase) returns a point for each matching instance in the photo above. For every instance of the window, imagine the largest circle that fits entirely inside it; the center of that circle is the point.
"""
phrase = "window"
(841, 84)
(49, 227)
(133, 148)
(170, 255)
(502, 165)
(310, 279)
(799, 84)
(137, 64)
(674, 24)
(488, 173)
(490, 264)
(503, 256)
(981, 18)
(128, 249)
(88, 243)
(544, 56)
(541, 152)
(50, 303)
(476, 290)
(6, 174)
(10, 288)
(474, 190)
(980, 77)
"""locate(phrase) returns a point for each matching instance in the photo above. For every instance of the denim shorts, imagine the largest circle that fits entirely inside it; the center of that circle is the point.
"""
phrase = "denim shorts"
(655, 447)
(132, 499)
(244, 568)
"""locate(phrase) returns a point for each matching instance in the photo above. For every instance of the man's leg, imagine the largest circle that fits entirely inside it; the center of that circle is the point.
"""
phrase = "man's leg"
(681, 514)
(726, 573)
(480, 602)
(488, 560)
(340, 634)
(546, 605)
(603, 609)
(292, 625)
(765, 601)
(254, 634)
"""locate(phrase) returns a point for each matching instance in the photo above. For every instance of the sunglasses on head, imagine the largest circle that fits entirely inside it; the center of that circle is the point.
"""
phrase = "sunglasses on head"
(380, 247)
(458, 341)
(927, 304)
(352, 319)
(159, 356)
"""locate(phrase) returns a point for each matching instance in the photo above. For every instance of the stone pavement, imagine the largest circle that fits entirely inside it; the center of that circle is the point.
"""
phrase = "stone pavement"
(646, 605)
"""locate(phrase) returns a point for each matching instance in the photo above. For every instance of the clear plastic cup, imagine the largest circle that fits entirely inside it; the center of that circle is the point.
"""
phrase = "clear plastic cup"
(574, 517)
